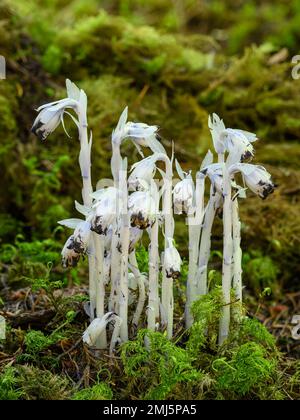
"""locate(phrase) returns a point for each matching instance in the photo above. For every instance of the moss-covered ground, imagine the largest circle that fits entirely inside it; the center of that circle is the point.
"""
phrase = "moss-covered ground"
(172, 63)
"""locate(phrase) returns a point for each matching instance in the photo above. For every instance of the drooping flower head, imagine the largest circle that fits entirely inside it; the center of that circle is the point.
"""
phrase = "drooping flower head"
(52, 114)
(70, 257)
(183, 193)
(142, 208)
(172, 260)
(96, 328)
(256, 177)
(233, 141)
(141, 134)
(142, 174)
(105, 208)
(77, 244)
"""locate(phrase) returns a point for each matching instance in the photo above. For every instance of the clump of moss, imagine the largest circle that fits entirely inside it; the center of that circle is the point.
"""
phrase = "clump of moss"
(248, 369)
(207, 311)
(40, 384)
(25, 261)
(161, 361)
(9, 385)
(100, 391)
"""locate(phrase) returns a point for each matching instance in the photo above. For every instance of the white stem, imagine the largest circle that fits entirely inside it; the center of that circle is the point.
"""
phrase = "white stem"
(87, 189)
(167, 284)
(116, 163)
(113, 305)
(85, 160)
(124, 238)
(205, 243)
(100, 289)
(227, 256)
(237, 251)
(142, 294)
(92, 280)
(167, 303)
(194, 225)
(153, 303)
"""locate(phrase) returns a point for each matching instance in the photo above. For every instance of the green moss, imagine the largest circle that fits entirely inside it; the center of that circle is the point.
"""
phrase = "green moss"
(249, 368)
(160, 360)
(9, 387)
(100, 391)
(38, 384)
(207, 311)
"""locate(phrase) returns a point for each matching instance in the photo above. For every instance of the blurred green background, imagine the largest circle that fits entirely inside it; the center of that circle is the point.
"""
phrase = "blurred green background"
(173, 63)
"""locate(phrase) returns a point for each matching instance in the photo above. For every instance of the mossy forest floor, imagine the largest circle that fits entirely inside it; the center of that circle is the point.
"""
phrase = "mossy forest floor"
(172, 63)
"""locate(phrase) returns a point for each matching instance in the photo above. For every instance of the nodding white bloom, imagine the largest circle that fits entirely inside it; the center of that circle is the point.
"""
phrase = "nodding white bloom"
(172, 260)
(141, 134)
(96, 328)
(183, 196)
(215, 174)
(104, 210)
(234, 141)
(52, 114)
(141, 207)
(256, 177)
(70, 257)
(77, 243)
(142, 174)
(82, 235)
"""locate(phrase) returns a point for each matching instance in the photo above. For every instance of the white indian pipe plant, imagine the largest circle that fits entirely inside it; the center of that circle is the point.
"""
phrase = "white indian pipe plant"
(114, 219)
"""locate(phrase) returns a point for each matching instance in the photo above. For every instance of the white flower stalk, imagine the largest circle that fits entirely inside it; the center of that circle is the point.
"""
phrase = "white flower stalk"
(100, 286)
(106, 267)
(205, 241)
(171, 266)
(237, 252)
(52, 114)
(154, 301)
(230, 140)
(142, 174)
(140, 134)
(141, 207)
(125, 238)
(227, 256)
(183, 194)
(104, 210)
(70, 257)
(194, 225)
(256, 178)
(139, 281)
(167, 212)
(48, 119)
